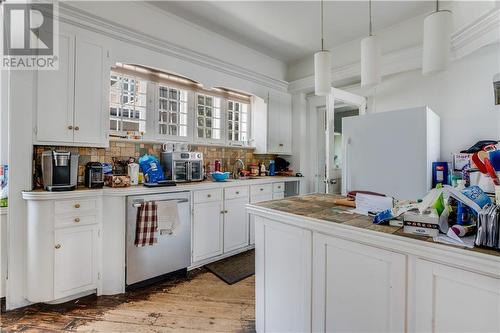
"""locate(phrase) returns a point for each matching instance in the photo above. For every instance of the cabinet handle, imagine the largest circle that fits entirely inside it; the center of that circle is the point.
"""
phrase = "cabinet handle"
(262, 189)
(225, 212)
(77, 206)
(222, 212)
(58, 246)
(70, 127)
(237, 192)
(77, 220)
(281, 145)
(77, 128)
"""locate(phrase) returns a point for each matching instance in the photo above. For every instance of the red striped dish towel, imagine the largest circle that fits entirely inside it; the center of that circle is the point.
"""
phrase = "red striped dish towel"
(146, 224)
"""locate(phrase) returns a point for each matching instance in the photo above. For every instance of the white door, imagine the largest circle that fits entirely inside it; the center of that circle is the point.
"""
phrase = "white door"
(235, 224)
(91, 92)
(454, 300)
(207, 230)
(256, 199)
(357, 288)
(75, 260)
(283, 283)
(54, 100)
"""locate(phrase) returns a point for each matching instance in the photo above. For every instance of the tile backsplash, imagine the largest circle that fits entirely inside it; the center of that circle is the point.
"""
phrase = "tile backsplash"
(124, 150)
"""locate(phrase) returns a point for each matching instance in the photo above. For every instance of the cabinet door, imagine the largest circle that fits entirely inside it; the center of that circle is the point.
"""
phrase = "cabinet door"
(279, 123)
(442, 293)
(207, 230)
(54, 100)
(235, 224)
(357, 288)
(251, 224)
(91, 93)
(283, 277)
(75, 260)
(278, 195)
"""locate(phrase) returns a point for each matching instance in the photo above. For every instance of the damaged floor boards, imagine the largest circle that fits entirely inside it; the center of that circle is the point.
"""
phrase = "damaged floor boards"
(202, 303)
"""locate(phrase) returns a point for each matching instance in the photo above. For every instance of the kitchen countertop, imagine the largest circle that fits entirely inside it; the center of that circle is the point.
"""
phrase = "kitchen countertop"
(40, 194)
(321, 207)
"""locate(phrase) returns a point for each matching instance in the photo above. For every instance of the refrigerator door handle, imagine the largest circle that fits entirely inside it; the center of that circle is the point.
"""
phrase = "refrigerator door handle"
(345, 168)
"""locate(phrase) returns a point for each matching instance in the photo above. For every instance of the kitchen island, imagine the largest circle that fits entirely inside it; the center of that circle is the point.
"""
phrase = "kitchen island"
(320, 267)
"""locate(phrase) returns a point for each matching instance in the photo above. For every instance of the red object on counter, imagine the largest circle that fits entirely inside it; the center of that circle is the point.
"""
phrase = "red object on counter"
(217, 166)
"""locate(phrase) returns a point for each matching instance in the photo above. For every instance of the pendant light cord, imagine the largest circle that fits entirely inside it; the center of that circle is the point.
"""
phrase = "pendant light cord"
(437, 5)
(370, 16)
(322, 41)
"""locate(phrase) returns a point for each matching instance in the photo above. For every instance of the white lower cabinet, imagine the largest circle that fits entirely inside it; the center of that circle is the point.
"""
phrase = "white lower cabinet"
(207, 230)
(75, 260)
(449, 299)
(357, 288)
(283, 271)
(235, 224)
(256, 199)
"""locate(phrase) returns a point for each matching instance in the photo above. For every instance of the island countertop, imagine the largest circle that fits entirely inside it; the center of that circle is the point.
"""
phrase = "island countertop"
(321, 207)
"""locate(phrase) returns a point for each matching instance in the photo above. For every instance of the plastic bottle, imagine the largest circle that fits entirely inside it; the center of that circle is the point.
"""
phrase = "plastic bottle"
(217, 166)
(272, 168)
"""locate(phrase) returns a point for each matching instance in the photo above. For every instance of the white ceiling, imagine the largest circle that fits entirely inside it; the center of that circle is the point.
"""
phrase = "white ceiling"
(290, 30)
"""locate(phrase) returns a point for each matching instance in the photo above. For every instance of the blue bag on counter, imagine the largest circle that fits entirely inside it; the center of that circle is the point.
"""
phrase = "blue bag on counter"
(151, 169)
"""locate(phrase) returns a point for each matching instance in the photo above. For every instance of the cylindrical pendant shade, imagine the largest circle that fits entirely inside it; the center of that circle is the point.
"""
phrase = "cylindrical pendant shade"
(437, 42)
(322, 73)
(370, 61)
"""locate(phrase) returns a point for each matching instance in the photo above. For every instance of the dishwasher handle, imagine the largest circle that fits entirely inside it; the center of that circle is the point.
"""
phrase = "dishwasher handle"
(137, 203)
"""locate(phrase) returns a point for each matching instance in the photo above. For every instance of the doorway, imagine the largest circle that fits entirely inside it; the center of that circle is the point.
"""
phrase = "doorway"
(326, 120)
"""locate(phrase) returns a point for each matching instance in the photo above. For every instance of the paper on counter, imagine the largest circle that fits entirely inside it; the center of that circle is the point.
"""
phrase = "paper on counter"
(453, 239)
(371, 203)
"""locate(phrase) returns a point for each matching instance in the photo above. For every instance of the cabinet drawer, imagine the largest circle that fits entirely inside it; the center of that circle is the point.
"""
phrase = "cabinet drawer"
(74, 207)
(261, 189)
(279, 187)
(236, 192)
(207, 195)
(75, 220)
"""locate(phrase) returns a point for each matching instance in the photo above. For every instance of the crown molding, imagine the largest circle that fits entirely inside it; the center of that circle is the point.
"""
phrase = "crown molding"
(484, 31)
(85, 20)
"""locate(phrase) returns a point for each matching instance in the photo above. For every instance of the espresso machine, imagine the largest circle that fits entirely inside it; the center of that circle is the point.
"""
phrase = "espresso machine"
(59, 170)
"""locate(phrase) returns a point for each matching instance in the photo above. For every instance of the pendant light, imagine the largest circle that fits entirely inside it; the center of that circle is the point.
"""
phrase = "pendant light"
(322, 67)
(437, 41)
(370, 56)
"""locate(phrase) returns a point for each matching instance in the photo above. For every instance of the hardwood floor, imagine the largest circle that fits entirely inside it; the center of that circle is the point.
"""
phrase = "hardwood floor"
(200, 303)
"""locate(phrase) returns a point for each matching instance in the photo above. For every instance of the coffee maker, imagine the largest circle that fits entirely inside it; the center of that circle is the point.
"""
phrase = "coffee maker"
(59, 170)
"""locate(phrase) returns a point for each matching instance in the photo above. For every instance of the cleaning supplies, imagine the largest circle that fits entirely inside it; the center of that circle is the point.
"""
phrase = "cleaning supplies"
(439, 173)
(272, 168)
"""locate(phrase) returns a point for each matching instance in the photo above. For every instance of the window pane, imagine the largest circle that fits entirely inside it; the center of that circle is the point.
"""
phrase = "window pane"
(230, 125)
(208, 111)
(236, 136)
(174, 94)
(236, 116)
(173, 129)
(208, 133)
(173, 118)
(216, 134)
(200, 132)
(230, 105)
(208, 100)
(208, 122)
(127, 103)
(201, 110)
(163, 92)
(236, 106)
(230, 116)
(163, 129)
(173, 106)
(230, 135)
(201, 121)
(201, 99)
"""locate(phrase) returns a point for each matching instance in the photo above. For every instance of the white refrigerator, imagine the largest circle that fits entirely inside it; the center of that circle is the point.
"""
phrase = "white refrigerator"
(391, 152)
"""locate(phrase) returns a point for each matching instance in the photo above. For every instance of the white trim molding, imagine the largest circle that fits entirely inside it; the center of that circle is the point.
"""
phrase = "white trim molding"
(484, 31)
(85, 20)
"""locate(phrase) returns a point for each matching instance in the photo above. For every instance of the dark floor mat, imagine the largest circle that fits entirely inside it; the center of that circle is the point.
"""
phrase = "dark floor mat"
(235, 268)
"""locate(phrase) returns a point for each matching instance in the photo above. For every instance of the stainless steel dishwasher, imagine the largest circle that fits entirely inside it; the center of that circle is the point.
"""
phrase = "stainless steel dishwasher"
(171, 253)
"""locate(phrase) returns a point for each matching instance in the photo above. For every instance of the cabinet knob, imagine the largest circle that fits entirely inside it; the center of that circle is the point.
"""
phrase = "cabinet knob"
(77, 128)
(70, 127)
(77, 219)
(225, 212)
(222, 212)
(262, 189)
(77, 205)
(237, 192)
(209, 195)
(281, 145)
(58, 246)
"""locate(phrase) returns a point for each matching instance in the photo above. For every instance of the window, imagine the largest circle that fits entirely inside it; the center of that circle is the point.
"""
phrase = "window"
(208, 117)
(127, 105)
(237, 121)
(173, 111)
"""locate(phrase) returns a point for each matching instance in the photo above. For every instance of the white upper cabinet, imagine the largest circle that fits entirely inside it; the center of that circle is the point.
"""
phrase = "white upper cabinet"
(272, 124)
(71, 103)
(91, 93)
(54, 96)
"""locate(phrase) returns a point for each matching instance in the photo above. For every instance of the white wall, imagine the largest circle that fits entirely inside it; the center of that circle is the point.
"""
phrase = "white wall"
(461, 95)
